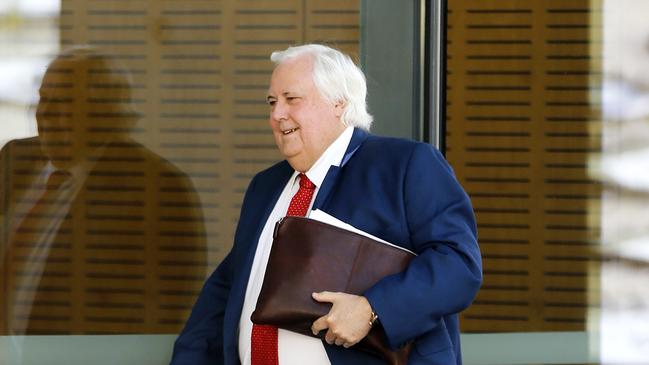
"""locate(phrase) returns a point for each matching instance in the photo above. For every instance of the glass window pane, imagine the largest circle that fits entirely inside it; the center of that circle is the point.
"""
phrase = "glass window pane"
(130, 132)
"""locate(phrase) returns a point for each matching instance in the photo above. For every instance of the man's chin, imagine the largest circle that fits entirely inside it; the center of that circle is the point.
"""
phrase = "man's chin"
(299, 163)
(289, 152)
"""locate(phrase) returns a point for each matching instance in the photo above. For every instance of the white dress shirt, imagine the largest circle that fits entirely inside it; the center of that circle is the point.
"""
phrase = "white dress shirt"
(293, 348)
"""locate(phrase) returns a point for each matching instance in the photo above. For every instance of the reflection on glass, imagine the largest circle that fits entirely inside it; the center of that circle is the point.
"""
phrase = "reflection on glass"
(88, 247)
(101, 230)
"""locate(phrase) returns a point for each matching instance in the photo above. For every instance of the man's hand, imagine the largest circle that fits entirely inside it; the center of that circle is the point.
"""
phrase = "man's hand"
(348, 320)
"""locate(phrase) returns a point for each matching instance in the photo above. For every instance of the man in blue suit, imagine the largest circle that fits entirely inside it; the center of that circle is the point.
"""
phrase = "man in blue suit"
(401, 191)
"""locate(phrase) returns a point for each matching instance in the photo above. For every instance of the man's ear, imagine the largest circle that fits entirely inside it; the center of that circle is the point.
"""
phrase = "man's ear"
(339, 108)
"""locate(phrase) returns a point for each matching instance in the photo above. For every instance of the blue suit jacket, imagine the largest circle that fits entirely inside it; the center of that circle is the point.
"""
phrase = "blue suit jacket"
(399, 190)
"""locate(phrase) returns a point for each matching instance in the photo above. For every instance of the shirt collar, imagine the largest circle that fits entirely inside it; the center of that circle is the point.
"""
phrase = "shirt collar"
(78, 172)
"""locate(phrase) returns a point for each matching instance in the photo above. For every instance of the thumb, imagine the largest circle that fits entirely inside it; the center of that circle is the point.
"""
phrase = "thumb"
(324, 296)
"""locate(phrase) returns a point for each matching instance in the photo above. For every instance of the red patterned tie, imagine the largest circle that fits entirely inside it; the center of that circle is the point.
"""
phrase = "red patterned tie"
(264, 338)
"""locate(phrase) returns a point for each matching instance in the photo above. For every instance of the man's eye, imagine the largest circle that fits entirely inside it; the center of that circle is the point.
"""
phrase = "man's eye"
(272, 102)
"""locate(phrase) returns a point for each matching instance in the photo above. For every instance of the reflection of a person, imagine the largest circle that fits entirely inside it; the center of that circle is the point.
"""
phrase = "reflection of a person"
(401, 191)
(104, 236)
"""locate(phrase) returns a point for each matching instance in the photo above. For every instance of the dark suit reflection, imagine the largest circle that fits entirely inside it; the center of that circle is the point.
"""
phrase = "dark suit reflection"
(100, 234)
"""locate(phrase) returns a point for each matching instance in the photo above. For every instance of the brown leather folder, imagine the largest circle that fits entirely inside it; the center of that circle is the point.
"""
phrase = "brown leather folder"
(311, 256)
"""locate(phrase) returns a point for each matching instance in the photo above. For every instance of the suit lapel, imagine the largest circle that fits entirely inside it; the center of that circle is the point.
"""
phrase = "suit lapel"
(269, 192)
(334, 171)
(263, 201)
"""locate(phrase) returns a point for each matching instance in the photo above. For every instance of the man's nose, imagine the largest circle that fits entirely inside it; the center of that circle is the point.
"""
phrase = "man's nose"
(279, 111)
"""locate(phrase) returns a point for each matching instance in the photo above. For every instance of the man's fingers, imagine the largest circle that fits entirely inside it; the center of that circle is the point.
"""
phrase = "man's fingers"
(330, 337)
(347, 321)
(324, 296)
(319, 325)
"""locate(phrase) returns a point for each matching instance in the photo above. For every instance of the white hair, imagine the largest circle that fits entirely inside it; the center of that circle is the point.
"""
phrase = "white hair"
(337, 78)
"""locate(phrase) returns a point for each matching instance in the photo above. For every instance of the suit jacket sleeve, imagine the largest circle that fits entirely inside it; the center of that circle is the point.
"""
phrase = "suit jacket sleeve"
(446, 275)
(201, 341)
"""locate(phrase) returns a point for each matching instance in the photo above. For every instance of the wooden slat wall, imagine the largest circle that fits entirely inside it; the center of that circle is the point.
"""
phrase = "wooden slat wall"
(140, 241)
(523, 101)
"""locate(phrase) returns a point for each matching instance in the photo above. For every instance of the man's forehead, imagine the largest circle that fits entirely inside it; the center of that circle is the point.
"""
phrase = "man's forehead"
(292, 75)
(61, 73)
(297, 64)
(57, 81)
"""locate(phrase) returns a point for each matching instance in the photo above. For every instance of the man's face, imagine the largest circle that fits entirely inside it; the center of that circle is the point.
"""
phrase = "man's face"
(66, 99)
(303, 122)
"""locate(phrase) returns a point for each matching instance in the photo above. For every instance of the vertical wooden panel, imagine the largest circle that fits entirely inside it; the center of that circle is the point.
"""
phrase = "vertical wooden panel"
(334, 22)
(520, 132)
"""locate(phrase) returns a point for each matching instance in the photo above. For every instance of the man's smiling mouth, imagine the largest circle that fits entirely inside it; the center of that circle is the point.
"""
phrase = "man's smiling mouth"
(289, 131)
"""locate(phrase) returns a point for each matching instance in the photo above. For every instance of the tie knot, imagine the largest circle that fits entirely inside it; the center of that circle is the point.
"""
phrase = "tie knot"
(305, 183)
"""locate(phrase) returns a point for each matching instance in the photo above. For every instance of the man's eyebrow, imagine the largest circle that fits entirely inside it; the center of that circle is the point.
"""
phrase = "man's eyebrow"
(284, 94)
